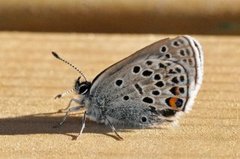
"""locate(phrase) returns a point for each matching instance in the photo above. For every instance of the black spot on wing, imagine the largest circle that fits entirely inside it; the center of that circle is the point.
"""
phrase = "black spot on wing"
(138, 88)
(175, 80)
(148, 100)
(119, 82)
(149, 62)
(144, 119)
(168, 112)
(161, 65)
(159, 84)
(136, 69)
(163, 49)
(147, 73)
(126, 97)
(157, 77)
(152, 109)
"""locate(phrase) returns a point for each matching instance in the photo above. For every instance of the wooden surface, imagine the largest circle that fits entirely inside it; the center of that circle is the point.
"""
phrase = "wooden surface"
(30, 77)
(122, 16)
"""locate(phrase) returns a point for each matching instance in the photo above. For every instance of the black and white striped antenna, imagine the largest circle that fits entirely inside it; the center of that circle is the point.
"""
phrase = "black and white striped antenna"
(59, 58)
(64, 93)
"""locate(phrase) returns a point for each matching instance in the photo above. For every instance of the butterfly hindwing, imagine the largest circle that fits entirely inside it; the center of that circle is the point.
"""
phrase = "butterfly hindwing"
(152, 85)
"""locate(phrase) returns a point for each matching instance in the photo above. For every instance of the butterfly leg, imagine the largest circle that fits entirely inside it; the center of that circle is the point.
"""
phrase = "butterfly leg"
(73, 109)
(83, 125)
(113, 129)
(69, 104)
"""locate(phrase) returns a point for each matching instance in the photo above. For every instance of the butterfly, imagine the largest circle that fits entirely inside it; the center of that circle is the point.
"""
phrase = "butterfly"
(150, 87)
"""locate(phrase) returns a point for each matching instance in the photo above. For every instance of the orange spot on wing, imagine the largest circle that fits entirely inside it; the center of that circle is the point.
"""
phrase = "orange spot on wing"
(172, 102)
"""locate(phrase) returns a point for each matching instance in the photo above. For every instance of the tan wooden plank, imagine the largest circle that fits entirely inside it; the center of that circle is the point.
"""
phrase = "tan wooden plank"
(30, 77)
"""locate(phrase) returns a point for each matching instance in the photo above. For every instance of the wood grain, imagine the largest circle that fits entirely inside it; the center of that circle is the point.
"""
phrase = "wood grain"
(122, 16)
(30, 77)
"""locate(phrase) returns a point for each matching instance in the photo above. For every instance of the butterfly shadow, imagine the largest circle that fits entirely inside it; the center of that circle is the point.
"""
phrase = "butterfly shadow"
(44, 124)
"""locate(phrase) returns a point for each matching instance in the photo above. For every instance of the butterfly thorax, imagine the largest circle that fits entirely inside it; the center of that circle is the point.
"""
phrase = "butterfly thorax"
(93, 111)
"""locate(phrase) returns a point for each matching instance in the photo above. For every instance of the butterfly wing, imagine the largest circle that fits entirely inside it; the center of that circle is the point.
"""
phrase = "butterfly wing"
(152, 85)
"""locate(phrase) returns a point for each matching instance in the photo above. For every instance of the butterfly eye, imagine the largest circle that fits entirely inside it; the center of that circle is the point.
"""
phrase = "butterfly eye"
(83, 89)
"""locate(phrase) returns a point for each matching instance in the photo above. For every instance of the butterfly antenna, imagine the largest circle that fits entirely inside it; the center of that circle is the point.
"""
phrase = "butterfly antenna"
(59, 58)
(64, 94)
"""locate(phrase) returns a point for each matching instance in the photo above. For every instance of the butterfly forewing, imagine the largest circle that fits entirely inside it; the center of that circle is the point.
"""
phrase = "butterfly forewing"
(151, 85)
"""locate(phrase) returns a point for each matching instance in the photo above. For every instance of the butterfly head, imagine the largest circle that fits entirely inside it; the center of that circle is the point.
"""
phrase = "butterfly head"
(82, 88)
